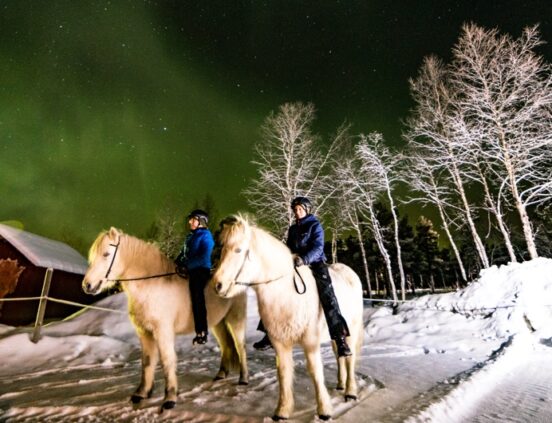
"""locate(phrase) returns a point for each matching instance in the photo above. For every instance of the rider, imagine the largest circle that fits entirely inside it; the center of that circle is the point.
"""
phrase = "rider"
(194, 261)
(306, 241)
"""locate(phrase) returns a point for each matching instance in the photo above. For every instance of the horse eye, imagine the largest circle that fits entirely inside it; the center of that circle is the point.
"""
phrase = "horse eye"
(238, 250)
(105, 254)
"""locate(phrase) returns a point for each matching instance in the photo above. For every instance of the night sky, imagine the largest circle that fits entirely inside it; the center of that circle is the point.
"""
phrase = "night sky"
(113, 110)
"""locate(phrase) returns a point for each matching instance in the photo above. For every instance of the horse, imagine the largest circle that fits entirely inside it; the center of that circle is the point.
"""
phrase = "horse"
(289, 307)
(159, 306)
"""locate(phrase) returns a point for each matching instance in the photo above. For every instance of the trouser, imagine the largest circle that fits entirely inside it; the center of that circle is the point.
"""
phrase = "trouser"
(198, 280)
(336, 323)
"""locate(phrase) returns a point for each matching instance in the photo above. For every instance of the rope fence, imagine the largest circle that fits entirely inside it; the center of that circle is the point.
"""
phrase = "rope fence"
(44, 298)
(455, 310)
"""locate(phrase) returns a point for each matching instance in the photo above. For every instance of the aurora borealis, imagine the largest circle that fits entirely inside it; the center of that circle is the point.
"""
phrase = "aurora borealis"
(111, 110)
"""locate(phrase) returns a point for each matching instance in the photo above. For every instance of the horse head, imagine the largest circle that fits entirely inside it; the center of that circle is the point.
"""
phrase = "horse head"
(105, 262)
(235, 265)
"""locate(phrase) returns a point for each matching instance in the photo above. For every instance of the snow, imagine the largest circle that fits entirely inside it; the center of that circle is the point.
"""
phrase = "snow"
(481, 354)
(44, 252)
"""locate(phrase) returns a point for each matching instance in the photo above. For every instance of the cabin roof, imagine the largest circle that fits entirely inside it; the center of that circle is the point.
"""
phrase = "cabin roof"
(44, 252)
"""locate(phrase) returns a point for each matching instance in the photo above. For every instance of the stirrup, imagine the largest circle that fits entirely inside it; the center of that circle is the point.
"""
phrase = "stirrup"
(263, 344)
(200, 338)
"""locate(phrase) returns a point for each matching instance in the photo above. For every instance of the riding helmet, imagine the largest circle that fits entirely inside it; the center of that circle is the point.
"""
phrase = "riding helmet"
(303, 202)
(199, 214)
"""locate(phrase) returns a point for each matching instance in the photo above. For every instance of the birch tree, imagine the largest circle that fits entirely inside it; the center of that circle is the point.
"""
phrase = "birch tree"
(430, 131)
(422, 179)
(347, 205)
(506, 90)
(289, 163)
(363, 188)
(376, 159)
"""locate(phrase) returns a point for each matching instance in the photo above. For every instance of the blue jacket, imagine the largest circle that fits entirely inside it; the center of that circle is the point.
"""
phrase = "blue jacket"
(306, 239)
(197, 249)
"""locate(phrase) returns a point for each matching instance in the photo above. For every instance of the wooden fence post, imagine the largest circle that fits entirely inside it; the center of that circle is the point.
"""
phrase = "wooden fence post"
(42, 305)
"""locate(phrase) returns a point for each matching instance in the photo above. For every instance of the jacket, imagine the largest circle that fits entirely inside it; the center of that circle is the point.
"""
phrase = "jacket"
(306, 239)
(197, 249)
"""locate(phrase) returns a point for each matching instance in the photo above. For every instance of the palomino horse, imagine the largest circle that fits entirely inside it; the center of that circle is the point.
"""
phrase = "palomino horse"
(289, 307)
(159, 306)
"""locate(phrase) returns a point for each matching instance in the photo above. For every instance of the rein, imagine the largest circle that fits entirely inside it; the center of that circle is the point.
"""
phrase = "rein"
(129, 279)
(270, 280)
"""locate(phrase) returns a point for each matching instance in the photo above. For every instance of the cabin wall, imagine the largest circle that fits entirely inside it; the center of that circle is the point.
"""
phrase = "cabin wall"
(64, 285)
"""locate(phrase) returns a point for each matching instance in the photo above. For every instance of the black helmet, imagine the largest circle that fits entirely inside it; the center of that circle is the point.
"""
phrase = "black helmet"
(200, 214)
(303, 202)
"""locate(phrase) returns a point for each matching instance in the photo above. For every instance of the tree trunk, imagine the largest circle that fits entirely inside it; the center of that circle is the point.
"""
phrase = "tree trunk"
(452, 243)
(379, 241)
(525, 222)
(477, 240)
(334, 246)
(364, 260)
(397, 243)
(496, 211)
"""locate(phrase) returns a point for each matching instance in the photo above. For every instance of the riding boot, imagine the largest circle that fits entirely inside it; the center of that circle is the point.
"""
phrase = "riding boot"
(200, 338)
(343, 349)
(263, 344)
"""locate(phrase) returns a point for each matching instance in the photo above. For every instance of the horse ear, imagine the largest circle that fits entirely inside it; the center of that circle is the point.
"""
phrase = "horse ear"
(113, 233)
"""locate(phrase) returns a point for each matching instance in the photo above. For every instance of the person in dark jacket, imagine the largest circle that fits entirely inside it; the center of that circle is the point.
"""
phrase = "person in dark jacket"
(306, 241)
(194, 261)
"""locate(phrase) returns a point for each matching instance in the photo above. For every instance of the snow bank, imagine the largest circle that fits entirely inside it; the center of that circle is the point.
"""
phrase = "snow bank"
(504, 301)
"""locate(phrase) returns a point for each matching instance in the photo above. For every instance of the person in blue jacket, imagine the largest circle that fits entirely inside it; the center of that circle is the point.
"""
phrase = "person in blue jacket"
(194, 261)
(306, 241)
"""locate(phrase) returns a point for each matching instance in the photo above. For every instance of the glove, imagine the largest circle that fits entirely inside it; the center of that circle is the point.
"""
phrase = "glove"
(298, 261)
(182, 271)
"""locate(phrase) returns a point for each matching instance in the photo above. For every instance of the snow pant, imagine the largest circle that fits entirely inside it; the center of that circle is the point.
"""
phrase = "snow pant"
(198, 280)
(336, 323)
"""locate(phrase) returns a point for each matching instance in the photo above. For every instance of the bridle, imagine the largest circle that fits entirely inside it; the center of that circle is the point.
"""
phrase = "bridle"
(255, 283)
(128, 279)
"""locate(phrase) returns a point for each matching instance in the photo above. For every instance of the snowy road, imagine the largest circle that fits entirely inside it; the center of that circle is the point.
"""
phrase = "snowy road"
(397, 383)
(434, 361)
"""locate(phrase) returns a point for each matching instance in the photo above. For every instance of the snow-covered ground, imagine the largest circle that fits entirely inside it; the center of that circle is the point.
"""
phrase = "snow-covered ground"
(482, 354)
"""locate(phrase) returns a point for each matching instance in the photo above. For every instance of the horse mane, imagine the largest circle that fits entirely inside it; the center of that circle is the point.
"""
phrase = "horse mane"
(95, 245)
(235, 227)
(136, 247)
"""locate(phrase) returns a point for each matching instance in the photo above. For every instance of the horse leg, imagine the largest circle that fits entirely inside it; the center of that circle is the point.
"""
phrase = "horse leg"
(284, 362)
(224, 340)
(149, 362)
(316, 370)
(237, 319)
(165, 341)
(351, 391)
(341, 370)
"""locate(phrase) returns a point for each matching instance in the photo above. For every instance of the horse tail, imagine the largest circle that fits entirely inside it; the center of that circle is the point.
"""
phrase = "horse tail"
(228, 348)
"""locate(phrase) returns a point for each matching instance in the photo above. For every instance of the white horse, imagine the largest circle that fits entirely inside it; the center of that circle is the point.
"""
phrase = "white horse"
(159, 306)
(289, 307)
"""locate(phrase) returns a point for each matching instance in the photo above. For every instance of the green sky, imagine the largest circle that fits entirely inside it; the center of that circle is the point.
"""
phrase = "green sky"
(111, 111)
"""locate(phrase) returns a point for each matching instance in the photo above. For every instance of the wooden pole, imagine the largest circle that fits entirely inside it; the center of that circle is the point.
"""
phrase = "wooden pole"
(42, 305)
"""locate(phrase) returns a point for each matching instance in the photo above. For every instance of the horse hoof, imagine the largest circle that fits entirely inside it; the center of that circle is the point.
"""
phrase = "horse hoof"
(324, 417)
(350, 398)
(136, 399)
(339, 388)
(167, 405)
(217, 378)
(243, 383)
(277, 418)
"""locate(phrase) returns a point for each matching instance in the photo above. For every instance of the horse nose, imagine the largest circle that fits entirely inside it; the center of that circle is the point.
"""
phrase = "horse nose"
(218, 287)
